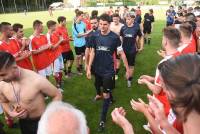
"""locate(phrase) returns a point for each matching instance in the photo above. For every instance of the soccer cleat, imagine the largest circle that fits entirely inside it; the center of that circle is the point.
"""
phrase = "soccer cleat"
(129, 84)
(101, 126)
(98, 97)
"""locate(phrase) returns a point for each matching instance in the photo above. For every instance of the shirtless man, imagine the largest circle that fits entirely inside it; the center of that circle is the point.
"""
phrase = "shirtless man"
(116, 26)
(22, 93)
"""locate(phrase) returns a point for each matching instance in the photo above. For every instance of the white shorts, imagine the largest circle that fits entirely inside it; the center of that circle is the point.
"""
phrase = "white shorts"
(46, 72)
(58, 65)
(1, 110)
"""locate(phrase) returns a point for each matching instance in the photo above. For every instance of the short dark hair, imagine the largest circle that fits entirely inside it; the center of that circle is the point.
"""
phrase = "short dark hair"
(61, 19)
(37, 23)
(3, 25)
(94, 17)
(186, 29)
(6, 60)
(190, 17)
(173, 35)
(94, 13)
(79, 13)
(16, 27)
(105, 17)
(151, 11)
(116, 15)
(50, 23)
(181, 75)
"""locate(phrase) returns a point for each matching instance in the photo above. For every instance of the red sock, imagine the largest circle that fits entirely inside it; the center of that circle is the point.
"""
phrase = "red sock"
(60, 76)
(56, 78)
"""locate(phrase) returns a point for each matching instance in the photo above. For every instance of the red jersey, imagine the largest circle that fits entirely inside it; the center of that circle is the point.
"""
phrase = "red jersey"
(53, 39)
(13, 47)
(65, 45)
(42, 59)
(162, 96)
(188, 48)
(87, 23)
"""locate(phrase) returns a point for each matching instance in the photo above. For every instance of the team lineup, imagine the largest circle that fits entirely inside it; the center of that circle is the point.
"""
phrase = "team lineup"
(103, 45)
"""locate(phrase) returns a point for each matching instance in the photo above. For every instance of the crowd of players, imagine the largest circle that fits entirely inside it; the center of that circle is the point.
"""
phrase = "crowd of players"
(100, 42)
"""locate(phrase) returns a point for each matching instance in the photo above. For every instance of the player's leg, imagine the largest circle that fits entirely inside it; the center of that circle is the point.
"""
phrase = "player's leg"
(131, 62)
(148, 36)
(70, 61)
(98, 84)
(108, 85)
(117, 66)
(78, 58)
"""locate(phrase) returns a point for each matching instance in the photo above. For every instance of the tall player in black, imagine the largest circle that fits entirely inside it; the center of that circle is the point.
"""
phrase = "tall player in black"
(148, 25)
(129, 34)
(104, 44)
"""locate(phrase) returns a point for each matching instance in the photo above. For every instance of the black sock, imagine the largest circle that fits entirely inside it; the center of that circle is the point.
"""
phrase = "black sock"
(111, 96)
(65, 71)
(69, 69)
(81, 67)
(149, 40)
(98, 91)
(117, 71)
(130, 78)
(105, 107)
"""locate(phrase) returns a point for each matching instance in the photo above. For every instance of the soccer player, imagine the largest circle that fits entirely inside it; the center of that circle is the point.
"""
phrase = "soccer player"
(41, 50)
(170, 42)
(24, 90)
(67, 53)
(148, 26)
(116, 26)
(56, 50)
(79, 34)
(9, 44)
(23, 43)
(188, 44)
(94, 24)
(104, 44)
(129, 34)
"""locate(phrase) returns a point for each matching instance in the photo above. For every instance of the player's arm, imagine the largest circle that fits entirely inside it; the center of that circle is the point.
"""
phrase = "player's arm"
(48, 89)
(140, 40)
(154, 88)
(91, 59)
(87, 53)
(58, 43)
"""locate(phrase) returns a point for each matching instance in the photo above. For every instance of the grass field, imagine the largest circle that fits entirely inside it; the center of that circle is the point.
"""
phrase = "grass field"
(79, 91)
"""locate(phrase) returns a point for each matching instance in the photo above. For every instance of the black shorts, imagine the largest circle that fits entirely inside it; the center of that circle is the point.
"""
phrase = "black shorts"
(80, 50)
(147, 30)
(108, 83)
(68, 56)
(131, 58)
(29, 126)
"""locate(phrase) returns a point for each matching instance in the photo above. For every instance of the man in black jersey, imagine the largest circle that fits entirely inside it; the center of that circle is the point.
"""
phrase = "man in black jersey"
(129, 34)
(104, 45)
(148, 25)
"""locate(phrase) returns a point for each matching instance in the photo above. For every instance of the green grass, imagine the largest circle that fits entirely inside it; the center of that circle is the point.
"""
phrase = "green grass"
(79, 91)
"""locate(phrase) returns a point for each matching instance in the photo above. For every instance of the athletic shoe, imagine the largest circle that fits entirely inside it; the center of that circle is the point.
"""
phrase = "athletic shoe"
(116, 77)
(101, 126)
(98, 97)
(147, 128)
(60, 89)
(129, 84)
(79, 73)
